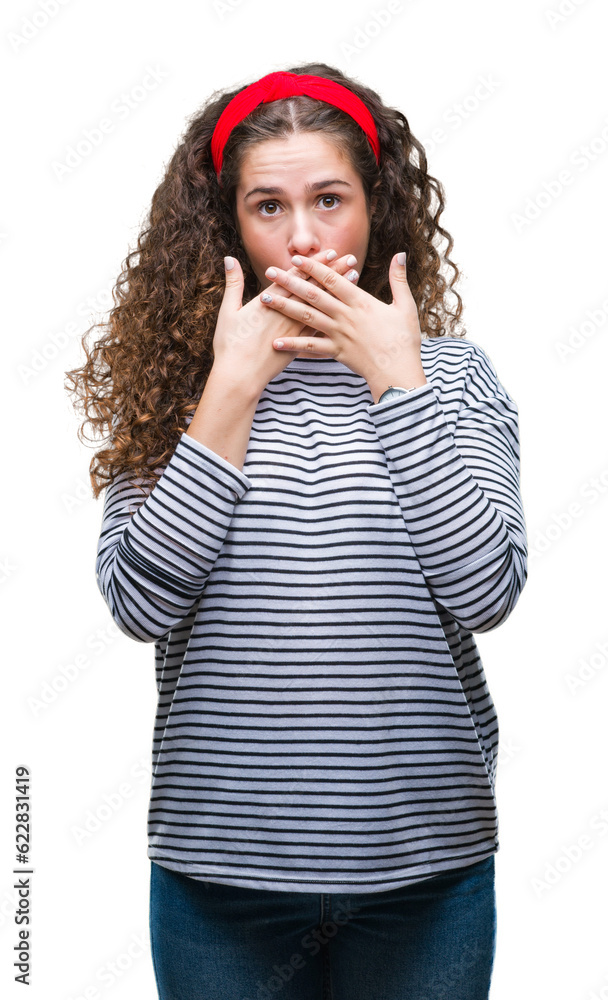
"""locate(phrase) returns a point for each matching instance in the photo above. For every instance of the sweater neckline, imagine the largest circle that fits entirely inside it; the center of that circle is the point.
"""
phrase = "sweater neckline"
(317, 365)
(338, 367)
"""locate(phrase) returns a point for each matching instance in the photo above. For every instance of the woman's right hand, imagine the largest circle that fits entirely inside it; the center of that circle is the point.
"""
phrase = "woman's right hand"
(242, 343)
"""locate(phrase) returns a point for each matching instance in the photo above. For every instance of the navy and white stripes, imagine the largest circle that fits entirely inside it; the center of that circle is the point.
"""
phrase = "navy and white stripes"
(323, 716)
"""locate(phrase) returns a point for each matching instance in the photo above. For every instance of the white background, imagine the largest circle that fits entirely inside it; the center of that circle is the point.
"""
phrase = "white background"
(534, 261)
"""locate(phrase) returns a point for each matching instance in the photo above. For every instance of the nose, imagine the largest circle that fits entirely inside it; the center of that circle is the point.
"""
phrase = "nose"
(304, 238)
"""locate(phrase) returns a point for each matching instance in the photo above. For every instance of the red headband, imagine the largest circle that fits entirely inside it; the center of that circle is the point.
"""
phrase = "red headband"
(276, 86)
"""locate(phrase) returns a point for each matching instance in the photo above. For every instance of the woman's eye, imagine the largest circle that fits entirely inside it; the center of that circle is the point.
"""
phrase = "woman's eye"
(329, 197)
(265, 204)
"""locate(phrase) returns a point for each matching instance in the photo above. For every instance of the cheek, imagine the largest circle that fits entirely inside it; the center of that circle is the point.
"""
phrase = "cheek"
(354, 232)
(261, 247)
(352, 240)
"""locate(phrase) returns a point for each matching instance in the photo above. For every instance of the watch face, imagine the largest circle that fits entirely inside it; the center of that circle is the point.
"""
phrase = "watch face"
(390, 393)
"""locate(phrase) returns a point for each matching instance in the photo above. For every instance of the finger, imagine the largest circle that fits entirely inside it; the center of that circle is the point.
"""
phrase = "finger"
(303, 312)
(326, 257)
(336, 284)
(343, 265)
(313, 345)
(276, 287)
(310, 291)
(331, 259)
(397, 276)
(233, 288)
(306, 291)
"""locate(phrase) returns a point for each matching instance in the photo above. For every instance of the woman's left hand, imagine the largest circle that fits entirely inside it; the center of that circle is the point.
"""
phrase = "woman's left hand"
(372, 338)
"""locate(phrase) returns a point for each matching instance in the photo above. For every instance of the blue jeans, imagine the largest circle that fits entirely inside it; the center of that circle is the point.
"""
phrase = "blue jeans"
(433, 940)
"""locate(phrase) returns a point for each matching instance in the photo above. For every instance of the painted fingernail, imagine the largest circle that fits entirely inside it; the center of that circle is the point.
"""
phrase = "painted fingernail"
(279, 343)
(271, 272)
(352, 275)
(401, 257)
(331, 255)
(265, 297)
(296, 261)
(228, 263)
(351, 260)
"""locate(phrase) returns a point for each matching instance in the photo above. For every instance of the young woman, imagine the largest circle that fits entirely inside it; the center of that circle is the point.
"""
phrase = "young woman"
(312, 503)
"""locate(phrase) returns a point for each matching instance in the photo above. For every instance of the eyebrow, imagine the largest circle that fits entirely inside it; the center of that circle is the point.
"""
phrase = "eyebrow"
(309, 188)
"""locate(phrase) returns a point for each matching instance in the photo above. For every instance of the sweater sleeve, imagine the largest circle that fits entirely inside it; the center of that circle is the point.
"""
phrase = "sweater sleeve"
(155, 552)
(459, 493)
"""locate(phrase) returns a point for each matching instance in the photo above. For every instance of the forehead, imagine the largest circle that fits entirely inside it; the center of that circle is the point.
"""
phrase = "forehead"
(295, 157)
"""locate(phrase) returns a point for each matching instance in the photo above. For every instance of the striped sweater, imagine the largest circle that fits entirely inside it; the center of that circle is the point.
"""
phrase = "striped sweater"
(324, 722)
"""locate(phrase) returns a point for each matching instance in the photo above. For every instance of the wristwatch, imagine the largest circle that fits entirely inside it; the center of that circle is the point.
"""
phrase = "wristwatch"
(395, 390)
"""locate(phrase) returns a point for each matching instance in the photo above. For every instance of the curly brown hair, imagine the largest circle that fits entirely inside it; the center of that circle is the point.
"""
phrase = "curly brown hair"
(147, 372)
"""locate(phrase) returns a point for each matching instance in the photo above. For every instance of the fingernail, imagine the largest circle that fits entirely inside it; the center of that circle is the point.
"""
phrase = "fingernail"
(331, 255)
(352, 275)
(279, 343)
(228, 263)
(351, 260)
(401, 257)
(296, 261)
(265, 297)
(271, 272)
